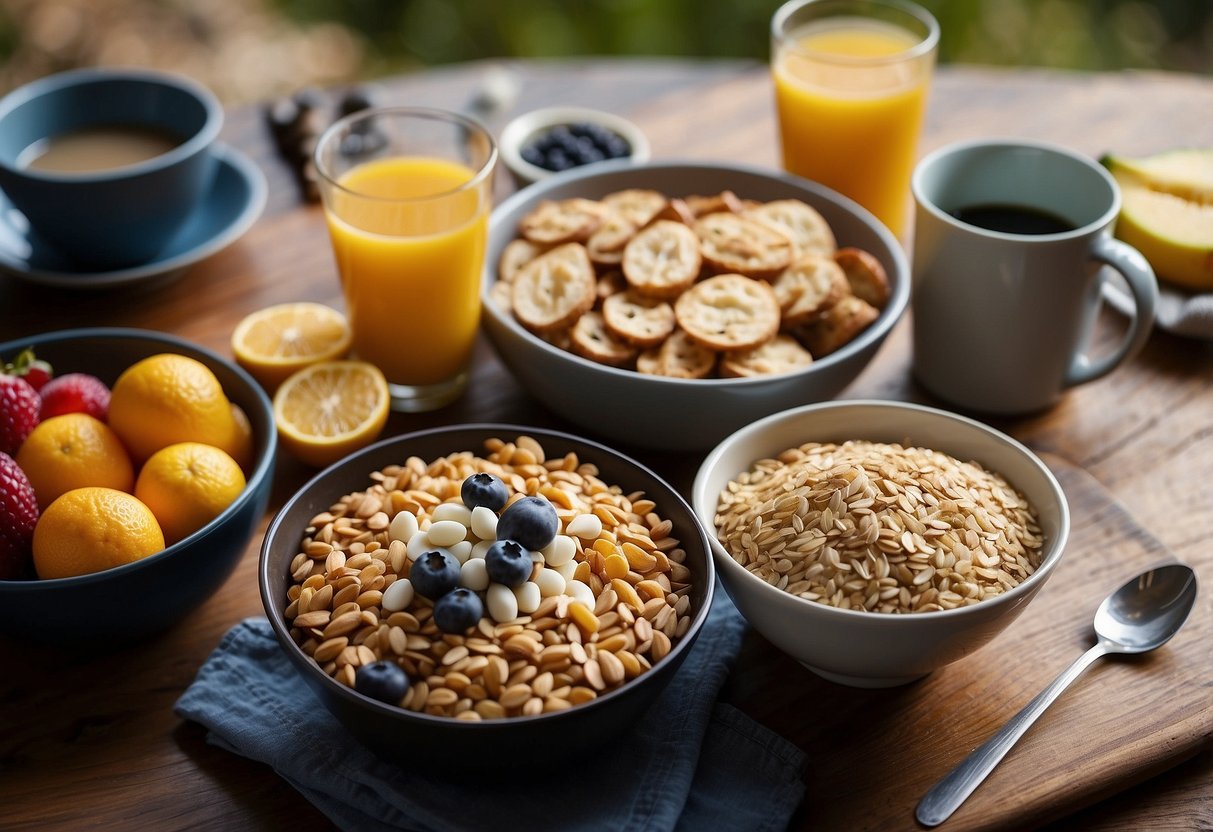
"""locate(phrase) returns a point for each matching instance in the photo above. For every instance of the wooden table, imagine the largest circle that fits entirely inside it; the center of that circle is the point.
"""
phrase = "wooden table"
(94, 741)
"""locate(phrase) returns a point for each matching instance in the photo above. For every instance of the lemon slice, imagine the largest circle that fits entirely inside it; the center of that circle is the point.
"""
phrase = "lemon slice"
(277, 341)
(331, 409)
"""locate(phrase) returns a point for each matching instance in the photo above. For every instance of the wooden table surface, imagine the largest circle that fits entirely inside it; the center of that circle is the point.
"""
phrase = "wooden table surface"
(92, 741)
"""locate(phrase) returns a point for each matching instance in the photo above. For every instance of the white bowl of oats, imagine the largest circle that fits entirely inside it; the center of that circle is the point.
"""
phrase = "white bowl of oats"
(681, 301)
(421, 593)
(878, 541)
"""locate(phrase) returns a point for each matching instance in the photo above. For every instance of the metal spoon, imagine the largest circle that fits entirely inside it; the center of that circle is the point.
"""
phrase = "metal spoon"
(1137, 618)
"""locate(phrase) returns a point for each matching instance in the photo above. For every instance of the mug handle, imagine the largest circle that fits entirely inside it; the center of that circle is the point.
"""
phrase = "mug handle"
(1144, 287)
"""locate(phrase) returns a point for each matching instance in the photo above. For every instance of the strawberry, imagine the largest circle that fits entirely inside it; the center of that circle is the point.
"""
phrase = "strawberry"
(18, 516)
(34, 370)
(75, 393)
(19, 406)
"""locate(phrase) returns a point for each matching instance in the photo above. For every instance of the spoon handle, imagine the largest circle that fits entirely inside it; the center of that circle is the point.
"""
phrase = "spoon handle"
(945, 797)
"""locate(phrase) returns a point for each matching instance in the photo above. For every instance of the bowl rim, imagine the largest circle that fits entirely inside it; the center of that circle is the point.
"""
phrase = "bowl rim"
(352, 697)
(261, 471)
(727, 565)
(523, 127)
(869, 338)
(85, 77)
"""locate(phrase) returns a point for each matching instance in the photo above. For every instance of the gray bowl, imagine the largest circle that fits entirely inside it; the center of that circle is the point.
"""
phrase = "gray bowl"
(401, 734)
(683, 414)
(135, 601)
(870, 649)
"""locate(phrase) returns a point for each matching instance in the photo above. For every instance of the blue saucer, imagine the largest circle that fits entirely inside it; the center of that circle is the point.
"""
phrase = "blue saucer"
(233, 204)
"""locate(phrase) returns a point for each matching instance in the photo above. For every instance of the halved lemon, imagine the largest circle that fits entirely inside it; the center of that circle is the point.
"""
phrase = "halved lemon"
(277, 341)
(331, 409)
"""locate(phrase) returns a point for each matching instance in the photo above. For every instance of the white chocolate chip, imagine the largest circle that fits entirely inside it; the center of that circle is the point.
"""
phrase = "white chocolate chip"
(472, 575)
(581, 593)
(461, 550)
(447, 532)
(418, 544)
(501, 602)
(404, 526)
(561, 550)
(567, 570)
(398, 596)
(585, 526)
(528, 596)
(453, 511)
(484, 523)
(550, 582)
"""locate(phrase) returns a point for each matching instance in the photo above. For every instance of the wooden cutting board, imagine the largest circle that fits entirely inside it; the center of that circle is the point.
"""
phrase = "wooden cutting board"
(873, 753)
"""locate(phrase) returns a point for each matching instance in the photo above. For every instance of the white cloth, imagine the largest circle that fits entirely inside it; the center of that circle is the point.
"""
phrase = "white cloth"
(1178, 312)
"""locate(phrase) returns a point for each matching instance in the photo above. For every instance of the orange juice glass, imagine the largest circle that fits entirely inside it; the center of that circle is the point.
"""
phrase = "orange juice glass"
(407, 195)
(851, 79)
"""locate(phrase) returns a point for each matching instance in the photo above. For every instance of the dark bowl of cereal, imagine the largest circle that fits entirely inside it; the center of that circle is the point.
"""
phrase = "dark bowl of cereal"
(877, 541)
(667, 289)
(458, 588)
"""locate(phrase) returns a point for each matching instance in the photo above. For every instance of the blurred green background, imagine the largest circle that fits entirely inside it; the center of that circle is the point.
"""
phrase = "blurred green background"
(249, 49)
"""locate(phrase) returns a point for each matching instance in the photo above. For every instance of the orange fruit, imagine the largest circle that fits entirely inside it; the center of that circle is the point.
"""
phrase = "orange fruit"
(187, 485)
(275, 342)
(242, 443)
(169, 398)
(91, 529)
(74, 451)
(331, 409)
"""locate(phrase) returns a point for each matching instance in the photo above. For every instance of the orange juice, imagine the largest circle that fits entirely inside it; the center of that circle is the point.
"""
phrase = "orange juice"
(851, 94)
(409, 244)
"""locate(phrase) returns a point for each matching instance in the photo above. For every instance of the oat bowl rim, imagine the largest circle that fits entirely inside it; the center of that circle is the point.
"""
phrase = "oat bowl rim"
(859, 647)
(379, 724)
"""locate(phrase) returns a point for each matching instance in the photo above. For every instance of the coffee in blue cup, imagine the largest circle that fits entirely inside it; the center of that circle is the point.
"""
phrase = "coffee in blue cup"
(108, 164)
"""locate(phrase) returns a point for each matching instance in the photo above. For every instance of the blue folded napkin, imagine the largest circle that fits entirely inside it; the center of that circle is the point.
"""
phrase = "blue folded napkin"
(690, 763)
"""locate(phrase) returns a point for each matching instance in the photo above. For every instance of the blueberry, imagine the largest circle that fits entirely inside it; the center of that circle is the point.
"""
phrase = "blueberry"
(570, 145)
(508, 562)
(588, 154)
(435, 573)
(484, 490)
(531, 521)
(617, 148)
(558, 160)
(531, 154)
(458, 610)
(382, 680)
(600, 134)
(563, 138)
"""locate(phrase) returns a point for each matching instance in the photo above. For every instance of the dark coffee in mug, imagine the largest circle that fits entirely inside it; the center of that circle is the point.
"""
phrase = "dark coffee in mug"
(1013, 219)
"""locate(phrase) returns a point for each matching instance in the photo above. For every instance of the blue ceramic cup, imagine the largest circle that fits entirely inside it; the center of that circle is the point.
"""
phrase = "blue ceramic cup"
(119, 216)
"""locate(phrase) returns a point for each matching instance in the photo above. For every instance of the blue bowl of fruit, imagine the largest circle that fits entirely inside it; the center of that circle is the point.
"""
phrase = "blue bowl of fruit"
(136, 467)
(452, 590)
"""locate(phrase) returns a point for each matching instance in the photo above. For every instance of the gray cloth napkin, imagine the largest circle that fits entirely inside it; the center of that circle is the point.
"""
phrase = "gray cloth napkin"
(690, 763)
(1178, 312)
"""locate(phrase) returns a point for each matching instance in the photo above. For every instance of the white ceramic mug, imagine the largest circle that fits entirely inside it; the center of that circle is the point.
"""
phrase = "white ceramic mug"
(1002, 319)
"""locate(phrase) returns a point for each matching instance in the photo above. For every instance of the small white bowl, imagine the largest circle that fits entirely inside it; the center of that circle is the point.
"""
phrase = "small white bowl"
(869, 649)
(519, 133)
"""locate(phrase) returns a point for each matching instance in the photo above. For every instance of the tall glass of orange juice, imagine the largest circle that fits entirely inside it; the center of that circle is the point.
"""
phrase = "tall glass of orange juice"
(407, 195)
(851, 80)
